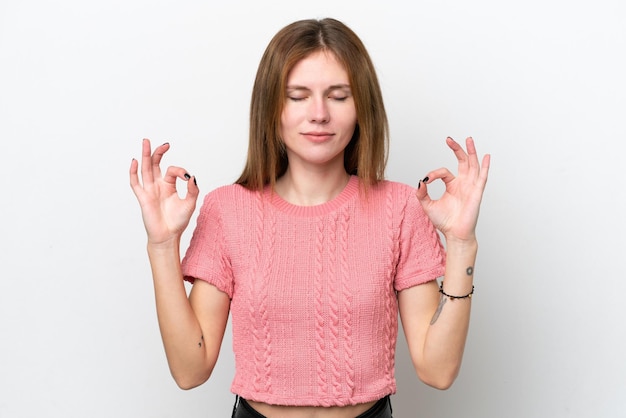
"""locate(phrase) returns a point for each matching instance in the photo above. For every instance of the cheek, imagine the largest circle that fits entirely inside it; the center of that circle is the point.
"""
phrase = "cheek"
(349, 117)
(288, 118)
(350, 121)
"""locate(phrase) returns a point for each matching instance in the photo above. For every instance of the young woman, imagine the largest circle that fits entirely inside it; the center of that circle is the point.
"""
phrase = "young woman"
(311, 251)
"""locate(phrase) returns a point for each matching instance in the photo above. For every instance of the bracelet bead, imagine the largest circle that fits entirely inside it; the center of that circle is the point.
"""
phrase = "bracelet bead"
(452, 297)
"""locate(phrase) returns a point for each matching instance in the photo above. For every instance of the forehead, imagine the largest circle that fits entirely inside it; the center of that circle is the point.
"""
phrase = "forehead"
(318, 67)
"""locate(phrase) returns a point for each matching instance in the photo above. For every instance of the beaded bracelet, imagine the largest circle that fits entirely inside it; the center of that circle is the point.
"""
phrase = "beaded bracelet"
(451, 297)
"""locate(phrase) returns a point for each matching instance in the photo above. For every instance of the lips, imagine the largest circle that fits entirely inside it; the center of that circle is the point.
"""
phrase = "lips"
(318, 136)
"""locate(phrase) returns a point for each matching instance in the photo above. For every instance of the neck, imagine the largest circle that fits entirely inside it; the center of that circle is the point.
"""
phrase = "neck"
(309, 188)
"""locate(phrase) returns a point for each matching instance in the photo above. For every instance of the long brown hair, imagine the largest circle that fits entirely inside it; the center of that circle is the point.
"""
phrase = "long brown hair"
(366, 154)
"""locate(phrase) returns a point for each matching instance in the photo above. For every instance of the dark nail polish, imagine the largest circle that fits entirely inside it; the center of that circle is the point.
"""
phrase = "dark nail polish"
(194, 181)
(187, 176)
(419, 185)
(425, 179)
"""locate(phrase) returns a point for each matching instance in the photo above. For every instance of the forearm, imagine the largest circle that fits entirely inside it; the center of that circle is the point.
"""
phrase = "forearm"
(447, 333)
(179, 326)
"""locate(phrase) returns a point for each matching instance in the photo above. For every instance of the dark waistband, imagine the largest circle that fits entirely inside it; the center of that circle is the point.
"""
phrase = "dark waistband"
(381, 409)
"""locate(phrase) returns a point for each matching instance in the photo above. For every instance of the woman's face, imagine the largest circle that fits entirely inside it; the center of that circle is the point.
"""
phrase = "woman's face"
(319, 116)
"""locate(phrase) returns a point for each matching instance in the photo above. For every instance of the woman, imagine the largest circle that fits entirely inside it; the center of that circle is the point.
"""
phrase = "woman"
(312, 252)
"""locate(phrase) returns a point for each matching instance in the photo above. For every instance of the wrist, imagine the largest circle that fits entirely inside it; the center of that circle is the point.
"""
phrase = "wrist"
(163, 246)
(461, 245)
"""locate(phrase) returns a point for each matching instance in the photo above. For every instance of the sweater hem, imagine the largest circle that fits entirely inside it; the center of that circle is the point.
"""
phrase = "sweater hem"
(272, 399)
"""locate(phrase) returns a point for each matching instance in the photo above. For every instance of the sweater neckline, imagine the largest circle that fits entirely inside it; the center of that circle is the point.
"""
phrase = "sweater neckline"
(348, 193)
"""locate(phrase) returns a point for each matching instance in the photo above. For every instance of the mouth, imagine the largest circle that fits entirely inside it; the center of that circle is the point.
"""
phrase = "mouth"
(318, 136)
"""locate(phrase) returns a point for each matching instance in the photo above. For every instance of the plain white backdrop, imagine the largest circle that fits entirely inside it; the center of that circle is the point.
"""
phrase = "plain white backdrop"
(539, 84)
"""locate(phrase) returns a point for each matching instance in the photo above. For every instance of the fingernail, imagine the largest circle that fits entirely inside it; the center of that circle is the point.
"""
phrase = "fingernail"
(194, 181)
(187, 176)
(419, 185)
(165, 143)
(425, 179)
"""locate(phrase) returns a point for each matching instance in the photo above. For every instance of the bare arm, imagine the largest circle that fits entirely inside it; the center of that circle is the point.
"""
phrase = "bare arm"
(436, 326)
(191, 328)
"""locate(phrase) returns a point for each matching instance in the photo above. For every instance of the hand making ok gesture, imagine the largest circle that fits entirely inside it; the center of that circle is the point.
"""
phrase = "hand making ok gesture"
(165, 214)
(455, 214)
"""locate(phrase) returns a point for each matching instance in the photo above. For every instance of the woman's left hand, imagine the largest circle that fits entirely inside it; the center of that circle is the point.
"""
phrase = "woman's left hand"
(455, 213)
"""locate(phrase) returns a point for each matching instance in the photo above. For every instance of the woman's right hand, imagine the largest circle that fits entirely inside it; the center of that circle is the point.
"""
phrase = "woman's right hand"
(165, 214)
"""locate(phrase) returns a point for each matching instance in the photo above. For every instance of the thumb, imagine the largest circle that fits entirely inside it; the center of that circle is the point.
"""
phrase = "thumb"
(192, 190)
(422, 192)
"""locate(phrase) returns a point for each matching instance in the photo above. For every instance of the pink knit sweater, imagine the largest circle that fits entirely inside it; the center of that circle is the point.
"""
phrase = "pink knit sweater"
(314, 308)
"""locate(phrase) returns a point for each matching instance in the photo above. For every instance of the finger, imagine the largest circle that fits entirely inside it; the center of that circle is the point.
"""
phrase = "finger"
(471, 152)
(134, 177)
(157, 157)
(174, 173)
(484, 169)
(146, 162)
(192, 190)
(422, 193)
(458, 150)
(440, 174)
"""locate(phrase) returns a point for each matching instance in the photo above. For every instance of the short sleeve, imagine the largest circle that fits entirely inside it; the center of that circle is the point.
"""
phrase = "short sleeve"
(422, 257)
(206, 258)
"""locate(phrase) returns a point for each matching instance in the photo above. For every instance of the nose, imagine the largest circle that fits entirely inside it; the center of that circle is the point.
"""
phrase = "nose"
(318, 111)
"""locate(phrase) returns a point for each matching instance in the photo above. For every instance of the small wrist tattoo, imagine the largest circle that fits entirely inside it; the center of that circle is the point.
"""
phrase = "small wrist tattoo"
(469, 270)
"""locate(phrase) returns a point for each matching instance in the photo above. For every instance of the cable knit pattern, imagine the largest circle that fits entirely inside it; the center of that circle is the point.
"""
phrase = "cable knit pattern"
(390, 332)
(261, 330)
(346, 292)
(257, 308)
(320, 337)
(314, 309)
(333, 312)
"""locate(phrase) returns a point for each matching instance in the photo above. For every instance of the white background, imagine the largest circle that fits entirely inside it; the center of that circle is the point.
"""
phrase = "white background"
(539, 85)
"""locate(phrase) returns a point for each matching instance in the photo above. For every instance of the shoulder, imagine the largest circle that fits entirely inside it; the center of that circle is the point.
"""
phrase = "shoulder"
(394, 191)
(227, 200)
(230, 194)
(400, 199)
